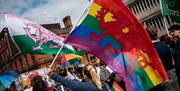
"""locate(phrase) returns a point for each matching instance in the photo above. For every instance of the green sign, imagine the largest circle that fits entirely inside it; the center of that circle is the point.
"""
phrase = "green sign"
(171, 8)
(174, 10)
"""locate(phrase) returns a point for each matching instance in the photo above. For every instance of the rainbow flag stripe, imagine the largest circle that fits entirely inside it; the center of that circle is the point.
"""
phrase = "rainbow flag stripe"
(71, 58)
(116, 87)
(111, 32)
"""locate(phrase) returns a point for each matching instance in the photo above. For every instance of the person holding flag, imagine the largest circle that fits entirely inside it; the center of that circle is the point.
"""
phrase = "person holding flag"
(92, 81)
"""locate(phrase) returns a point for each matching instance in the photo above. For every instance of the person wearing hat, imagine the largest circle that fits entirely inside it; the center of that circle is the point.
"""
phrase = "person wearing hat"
(175, 33)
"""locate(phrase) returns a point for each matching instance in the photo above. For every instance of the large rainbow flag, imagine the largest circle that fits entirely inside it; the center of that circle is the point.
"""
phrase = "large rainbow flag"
(111, 32)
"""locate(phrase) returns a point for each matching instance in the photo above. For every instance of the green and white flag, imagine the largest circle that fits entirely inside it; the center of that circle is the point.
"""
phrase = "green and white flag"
(30, 37)
(171, 8)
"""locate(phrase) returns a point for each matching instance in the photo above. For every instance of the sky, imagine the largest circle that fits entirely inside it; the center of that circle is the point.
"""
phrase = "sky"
(43, 11)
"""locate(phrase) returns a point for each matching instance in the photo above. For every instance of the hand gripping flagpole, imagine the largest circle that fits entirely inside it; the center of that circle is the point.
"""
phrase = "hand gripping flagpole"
(83, 14)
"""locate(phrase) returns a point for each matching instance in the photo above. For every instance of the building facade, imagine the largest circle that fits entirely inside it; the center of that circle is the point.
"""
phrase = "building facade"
(149, 13)
(8, 50)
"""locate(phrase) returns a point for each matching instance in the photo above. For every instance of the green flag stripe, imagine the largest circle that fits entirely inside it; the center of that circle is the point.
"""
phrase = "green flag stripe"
(25, 44)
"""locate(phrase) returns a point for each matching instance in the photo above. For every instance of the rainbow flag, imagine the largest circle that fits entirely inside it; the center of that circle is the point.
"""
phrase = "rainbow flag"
(116, 87)
(111, 32)
(71, 58)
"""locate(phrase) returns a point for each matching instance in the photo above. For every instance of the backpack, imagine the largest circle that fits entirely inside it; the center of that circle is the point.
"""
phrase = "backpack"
(104, 74)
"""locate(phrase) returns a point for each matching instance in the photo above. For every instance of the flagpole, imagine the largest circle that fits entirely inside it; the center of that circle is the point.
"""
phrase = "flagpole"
(56, 55)
(165, 24)
(84, 12)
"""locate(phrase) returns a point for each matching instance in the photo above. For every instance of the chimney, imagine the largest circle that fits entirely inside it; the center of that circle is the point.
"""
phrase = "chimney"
(67, 23)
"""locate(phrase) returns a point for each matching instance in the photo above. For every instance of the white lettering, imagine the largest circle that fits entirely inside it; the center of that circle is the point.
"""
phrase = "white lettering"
(174, 13)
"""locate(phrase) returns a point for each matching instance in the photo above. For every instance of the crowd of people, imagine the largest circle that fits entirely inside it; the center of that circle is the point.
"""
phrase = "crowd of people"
(90, 77)
(99, 77)
(168, 49)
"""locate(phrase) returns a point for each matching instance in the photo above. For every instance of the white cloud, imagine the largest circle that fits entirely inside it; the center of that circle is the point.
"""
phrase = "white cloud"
(51, 12)
(55, 11)
(14, 6)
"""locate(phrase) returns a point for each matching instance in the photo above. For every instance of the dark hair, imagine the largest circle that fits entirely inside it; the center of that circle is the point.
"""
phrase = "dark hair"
(167, 40)
(152, 31)
(174, 27)
(38, 84)
(61, 71)
(79, 71)
(87, 73)
(71, 70)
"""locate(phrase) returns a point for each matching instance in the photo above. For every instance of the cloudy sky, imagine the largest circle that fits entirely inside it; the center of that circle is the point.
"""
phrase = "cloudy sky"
(43, 11)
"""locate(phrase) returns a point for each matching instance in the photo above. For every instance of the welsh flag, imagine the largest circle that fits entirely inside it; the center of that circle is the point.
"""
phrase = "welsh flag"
(30, 37)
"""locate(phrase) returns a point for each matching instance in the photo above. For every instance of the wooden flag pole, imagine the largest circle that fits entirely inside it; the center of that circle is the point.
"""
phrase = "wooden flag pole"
(56, 55)
(83, 14)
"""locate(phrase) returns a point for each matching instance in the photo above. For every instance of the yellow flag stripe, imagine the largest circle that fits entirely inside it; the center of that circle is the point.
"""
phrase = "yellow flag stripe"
(94, 9)
(72, 56)
(154, 77)
(94, 12)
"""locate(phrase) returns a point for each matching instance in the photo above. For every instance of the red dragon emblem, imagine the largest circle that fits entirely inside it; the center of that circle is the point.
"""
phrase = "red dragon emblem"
(42, 36)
